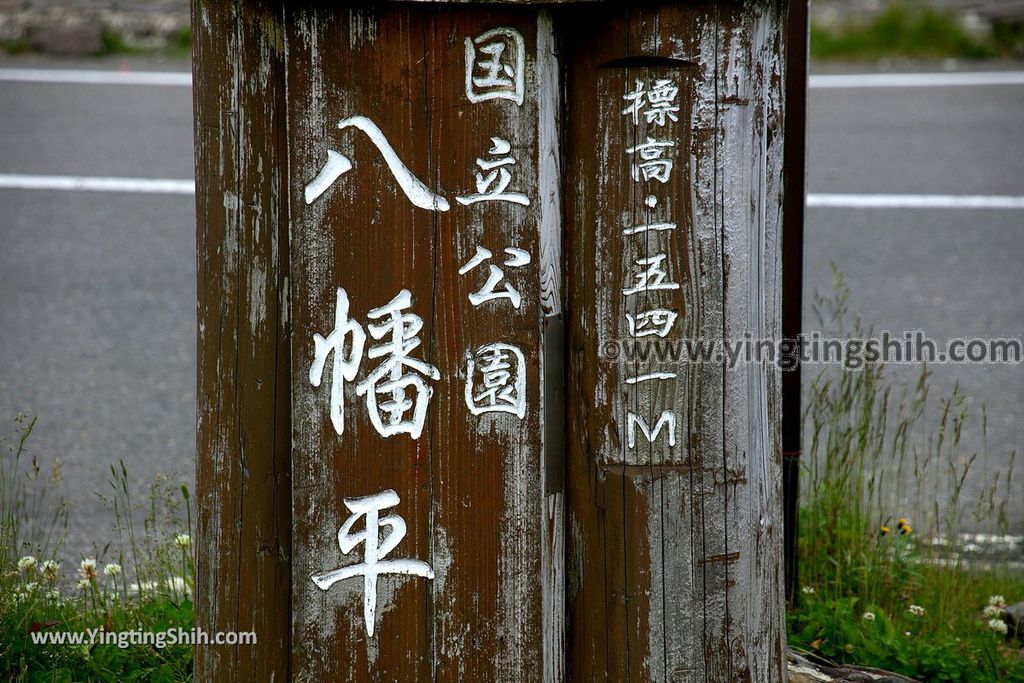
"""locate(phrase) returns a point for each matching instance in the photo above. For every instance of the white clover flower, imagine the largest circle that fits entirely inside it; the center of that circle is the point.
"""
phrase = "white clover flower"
(997, 601)
(183, 541)
(49, 570)
(869, 616)
(916, 610)
(87, 569)
(808, 590)
(991, 611)
(112, 569)
(998, 625)
(83, 584)
(27, 564)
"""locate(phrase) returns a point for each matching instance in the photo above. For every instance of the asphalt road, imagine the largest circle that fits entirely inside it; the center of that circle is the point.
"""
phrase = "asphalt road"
(951, 273)
(97, 290)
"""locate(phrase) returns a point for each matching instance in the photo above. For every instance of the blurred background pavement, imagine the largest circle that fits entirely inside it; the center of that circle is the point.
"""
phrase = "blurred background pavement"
(97, 289)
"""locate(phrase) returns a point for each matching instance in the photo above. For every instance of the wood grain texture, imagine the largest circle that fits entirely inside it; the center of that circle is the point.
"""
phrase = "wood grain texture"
(589, 559)
(552, 288)
(471, 487)
(674, 552)
(243, 431)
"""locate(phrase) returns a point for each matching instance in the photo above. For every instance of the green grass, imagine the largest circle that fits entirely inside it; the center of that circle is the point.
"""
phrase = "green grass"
(180, 44)
(115, 44)
(908, 30)
(860, 554)
(14, 46)
(141, 582)
(24, 660)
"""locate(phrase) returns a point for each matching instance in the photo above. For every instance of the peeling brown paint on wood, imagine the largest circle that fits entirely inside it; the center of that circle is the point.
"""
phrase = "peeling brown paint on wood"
(656, 561)
(471, 489)
(676, 557)
(243, 431)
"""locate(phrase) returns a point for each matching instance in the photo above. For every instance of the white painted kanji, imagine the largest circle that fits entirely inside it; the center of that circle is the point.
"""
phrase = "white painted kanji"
(652, 276)
(496, 380)
(346, 334)
(517, 258)
(375, 550)
(400, 379)
(496, 66)
(493, 176)
(649, 161)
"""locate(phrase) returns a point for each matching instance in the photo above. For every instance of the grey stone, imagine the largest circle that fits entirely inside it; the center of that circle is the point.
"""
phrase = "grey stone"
(804, 670)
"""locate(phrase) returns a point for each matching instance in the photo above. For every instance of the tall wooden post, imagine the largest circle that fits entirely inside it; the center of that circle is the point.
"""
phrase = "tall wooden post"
(243, 463)
(393, 482)
(380, 279)
(674, 499)
(460, 230)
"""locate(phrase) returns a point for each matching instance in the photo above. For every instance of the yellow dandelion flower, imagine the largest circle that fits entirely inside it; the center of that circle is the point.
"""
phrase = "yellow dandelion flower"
(883, 530)
(906, 529)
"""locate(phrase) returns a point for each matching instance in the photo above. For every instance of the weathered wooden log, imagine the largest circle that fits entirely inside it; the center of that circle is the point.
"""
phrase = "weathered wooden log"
(385, 451)
(367, 236)
(243, 463)
(477, 273)
(674, 500)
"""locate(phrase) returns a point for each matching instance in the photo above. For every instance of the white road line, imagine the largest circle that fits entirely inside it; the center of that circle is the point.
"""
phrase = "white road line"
(96, 184)
(922, 80)
(916, 201)
(108, 77)
(875, 80)
(183, 186)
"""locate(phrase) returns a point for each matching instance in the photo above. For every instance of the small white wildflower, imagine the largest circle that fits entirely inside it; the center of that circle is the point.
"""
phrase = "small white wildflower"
(997, 601)
(916, 610)
(87, 569)
(53, 594)
(807, 590)
(112, 569)
(998, 625)
(49, 570)
(183, 541)
(27, 564)
(991, 611)
(31, 587)
(83, 584)
(869, 616)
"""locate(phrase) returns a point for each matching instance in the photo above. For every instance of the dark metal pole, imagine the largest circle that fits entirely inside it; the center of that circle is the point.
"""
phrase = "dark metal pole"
(794, 171)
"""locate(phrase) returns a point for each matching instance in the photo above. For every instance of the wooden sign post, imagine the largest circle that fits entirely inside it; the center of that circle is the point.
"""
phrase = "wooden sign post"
(427, 447)
(674, 484)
